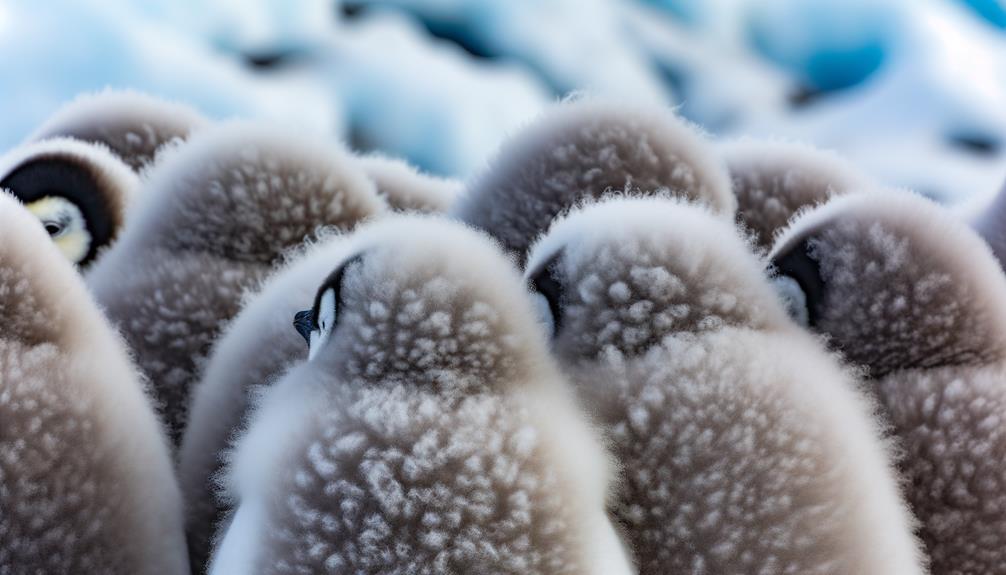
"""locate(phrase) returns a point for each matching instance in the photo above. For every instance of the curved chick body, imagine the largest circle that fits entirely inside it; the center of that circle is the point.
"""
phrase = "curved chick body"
(87, 481)
(408, 190)
(745, 447)
(218, 214)
(433, 434)
(254, 351)
(134, 126)
(583, 150)
(775, 180)
(908, 292)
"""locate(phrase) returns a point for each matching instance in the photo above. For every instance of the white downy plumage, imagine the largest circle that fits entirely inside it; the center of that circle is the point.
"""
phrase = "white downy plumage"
(906, 290)
(86, 480)
(773, 180)
(430, 433)
(257, 347)
(217, 215)
(407, 189)
(745, 447)
(134, 126)
(584, 149)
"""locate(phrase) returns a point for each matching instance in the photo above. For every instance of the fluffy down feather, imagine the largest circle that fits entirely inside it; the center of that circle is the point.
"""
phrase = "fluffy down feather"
(774, 180)
(86, 482)
(582, 150)
(89, 176)
(431, 434)
(408, 190)
(913, 295)
(256, 348)
(217, 214)
(745, 447)
(134, 126)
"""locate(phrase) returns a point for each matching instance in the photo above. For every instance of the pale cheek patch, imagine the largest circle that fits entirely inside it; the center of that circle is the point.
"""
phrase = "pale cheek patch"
(793, 297)
(74, 246)
(326, 322)
(317, 339)
(544, 313)
(73, 240)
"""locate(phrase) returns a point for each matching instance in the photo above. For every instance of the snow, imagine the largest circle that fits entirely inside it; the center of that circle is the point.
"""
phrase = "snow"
(913, 91)
(426, 101)
(829, 44)
(101, 46)
(591, 55)
(904, 125)
(994, 11)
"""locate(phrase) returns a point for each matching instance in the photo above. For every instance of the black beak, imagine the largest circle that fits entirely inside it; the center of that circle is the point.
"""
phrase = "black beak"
(303, 324)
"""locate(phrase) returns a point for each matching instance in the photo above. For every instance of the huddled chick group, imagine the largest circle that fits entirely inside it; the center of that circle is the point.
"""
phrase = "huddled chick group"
(620, 349)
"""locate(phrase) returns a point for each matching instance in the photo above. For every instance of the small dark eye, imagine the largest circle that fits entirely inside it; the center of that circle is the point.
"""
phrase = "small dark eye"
(53, 228)
(304, 325)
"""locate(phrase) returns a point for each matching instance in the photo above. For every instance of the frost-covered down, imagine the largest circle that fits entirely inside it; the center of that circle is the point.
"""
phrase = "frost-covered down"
(582, 150)
(430, 434)
(407, 189)
(86, 481)
(217, 214)
(774, 180)
(257, 347)
(745, 447)
(134, 126)
(913, 295)
(89, 177)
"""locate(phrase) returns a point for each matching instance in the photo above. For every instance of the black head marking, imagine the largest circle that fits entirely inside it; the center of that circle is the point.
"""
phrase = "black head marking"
(334, 282)
(306, 321)
(797, 263)
(73, 180)
(545, 282)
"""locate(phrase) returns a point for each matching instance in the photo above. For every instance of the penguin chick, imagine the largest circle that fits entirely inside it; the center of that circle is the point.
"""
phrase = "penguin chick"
(429, 433)
(86, 481)
(216, 216)
(408, 190)
(745, 447)
(79, 192)
(255, 349)
(133, 125)
(774, 180)
(584, 149)
(906, 290)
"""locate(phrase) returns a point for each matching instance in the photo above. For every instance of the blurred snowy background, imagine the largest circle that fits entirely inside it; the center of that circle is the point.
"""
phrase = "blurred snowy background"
(913, 91)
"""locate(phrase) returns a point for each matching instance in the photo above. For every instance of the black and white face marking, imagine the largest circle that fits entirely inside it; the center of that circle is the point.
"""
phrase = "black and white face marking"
(316, 324)
(67, 197)
(546, 291)
(799, 283)
(65, 224)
